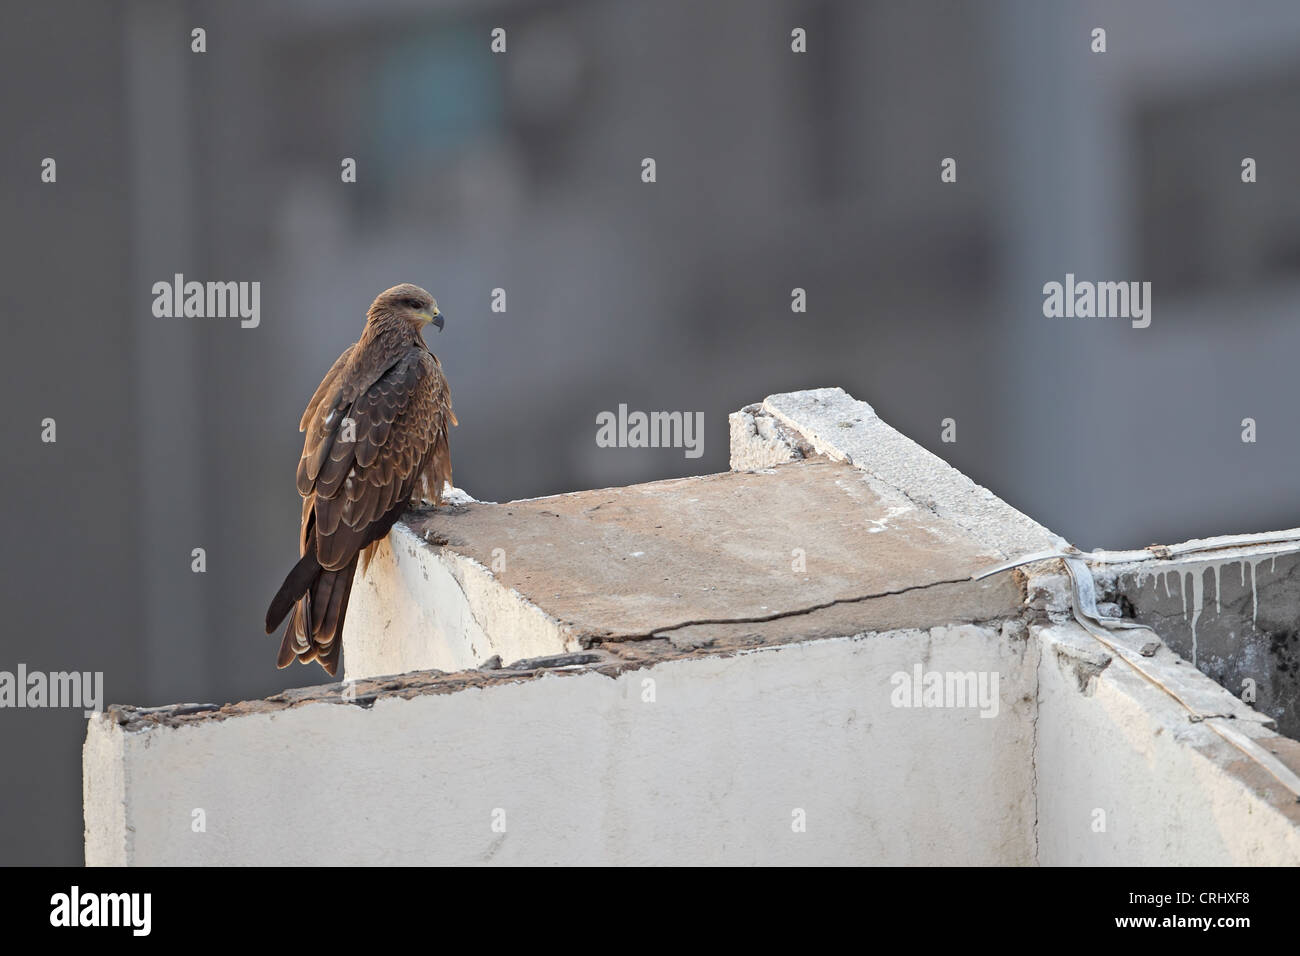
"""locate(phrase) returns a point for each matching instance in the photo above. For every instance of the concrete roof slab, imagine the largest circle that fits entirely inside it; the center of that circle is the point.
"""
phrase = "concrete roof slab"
(617, 563)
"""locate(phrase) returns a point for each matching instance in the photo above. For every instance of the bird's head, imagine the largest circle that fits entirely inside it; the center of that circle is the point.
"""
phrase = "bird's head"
(409, 303)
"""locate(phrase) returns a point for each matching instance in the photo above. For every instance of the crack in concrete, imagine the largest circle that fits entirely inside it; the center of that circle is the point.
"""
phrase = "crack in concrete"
(589, 640)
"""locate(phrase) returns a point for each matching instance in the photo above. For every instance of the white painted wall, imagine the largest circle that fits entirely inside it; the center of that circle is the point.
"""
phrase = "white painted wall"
(588, 771)
(1127, 778)
(422, 608)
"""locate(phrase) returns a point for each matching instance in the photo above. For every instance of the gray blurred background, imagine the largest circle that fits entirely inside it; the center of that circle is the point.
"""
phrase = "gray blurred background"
(522, 171)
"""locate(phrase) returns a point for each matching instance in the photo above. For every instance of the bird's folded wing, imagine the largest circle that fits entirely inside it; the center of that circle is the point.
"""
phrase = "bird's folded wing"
(396, 424)
(329, 386)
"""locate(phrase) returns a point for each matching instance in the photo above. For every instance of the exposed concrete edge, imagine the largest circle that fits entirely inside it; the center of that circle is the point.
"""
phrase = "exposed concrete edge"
(103, 796)
(1073, 647)
(1155, 567)
(609, 660)
(835, 424)
(759, 440)
(361, 692)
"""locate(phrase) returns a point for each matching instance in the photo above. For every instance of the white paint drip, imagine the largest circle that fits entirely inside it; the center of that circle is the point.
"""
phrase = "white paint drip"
(1254, 590)
(1198, 602)
(1197, 589)
(1192, 585)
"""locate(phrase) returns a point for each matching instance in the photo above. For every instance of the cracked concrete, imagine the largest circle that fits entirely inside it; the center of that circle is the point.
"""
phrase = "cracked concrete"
(834, 553)
(1085, 663)
(760, 440)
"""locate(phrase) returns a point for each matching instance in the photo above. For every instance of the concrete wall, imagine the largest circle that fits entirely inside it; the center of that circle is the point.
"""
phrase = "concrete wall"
(718, 766)
(666, 734)
(1127, 777)
(421, 608)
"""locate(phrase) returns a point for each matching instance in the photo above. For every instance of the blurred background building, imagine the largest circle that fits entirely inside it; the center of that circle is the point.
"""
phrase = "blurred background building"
(521, 171)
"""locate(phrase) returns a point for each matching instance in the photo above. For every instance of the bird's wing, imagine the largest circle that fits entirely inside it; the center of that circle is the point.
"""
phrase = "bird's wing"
(356, 485)
(437, 465)
(328, 390)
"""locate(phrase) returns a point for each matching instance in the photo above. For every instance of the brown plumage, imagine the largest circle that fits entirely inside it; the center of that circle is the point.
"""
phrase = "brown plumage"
(391, 390)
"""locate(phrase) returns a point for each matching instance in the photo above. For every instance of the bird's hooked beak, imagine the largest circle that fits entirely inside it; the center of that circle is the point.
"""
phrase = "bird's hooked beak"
(434, 318)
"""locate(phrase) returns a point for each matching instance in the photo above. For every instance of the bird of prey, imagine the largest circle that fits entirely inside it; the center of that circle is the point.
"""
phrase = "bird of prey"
(376, 439)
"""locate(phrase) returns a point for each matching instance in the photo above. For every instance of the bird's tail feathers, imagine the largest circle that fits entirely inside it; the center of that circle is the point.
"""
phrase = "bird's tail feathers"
(315, 629)
(295, 585)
